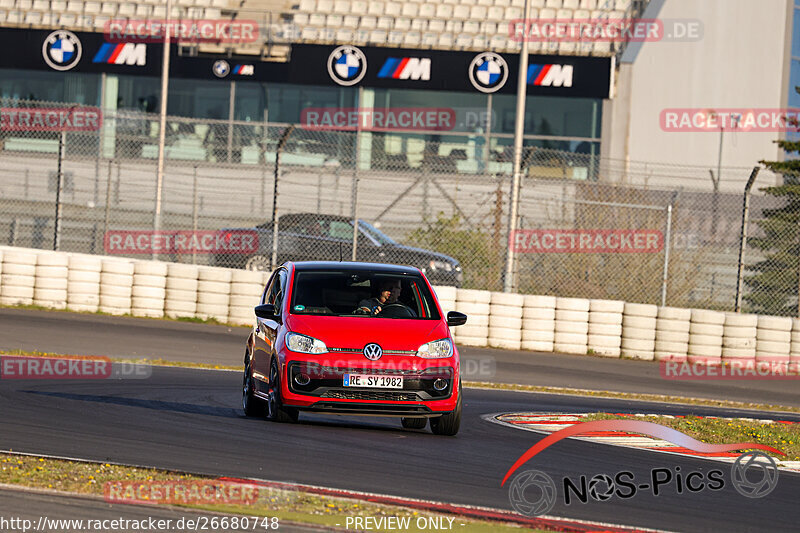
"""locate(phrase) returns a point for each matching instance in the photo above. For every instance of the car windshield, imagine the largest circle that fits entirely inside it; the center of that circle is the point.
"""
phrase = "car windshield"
(375, 233)
(362, 294)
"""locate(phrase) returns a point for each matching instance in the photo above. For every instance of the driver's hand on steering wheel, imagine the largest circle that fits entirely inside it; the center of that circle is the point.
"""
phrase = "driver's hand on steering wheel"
(377, 309)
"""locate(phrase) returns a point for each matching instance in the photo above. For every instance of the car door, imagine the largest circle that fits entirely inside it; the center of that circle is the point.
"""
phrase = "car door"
(267, 330)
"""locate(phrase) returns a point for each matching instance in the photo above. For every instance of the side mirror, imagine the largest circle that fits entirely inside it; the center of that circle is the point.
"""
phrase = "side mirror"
(454, 318)
(266, 311)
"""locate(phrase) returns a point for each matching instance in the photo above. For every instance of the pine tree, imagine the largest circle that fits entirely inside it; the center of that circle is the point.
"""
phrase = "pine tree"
(775, 280)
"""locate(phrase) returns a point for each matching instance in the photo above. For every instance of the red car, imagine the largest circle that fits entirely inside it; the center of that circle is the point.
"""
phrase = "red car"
(353, 338)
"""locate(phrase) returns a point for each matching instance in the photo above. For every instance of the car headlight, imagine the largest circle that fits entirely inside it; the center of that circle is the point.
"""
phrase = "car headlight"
(441, 265)
(304, 344)
(436, 349)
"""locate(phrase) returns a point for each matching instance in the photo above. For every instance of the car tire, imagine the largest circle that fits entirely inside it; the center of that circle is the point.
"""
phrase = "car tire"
(276, 411)
(251, 405)
(448, 424)
(413, 423)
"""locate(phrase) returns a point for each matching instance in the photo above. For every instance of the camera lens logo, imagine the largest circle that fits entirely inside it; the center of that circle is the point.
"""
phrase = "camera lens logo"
(532, 493)
(221, 68)
(601, 487)
(347, 65)
(754, 474)
(488, 72)
(62, 50)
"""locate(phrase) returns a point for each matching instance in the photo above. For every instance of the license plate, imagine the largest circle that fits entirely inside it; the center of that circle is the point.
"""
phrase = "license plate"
(373, 382)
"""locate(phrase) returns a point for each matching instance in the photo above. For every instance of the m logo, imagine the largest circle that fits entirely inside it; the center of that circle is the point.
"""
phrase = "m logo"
(373, 352)
(406, 68)
(550, 75)
(122, 54)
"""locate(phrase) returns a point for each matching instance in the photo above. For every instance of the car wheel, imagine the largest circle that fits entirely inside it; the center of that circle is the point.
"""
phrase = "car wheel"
(413, 423)
(275, 408)
(251, 405)
(260, 263)
(448, 424)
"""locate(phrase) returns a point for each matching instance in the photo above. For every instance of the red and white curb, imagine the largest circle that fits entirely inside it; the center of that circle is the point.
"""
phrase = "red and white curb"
(551, 422)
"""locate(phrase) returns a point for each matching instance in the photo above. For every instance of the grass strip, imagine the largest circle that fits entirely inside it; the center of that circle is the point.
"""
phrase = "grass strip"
(781, 435)
(89, 478)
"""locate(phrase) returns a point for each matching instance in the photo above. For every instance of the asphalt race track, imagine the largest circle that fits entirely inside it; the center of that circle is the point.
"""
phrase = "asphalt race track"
(87, 334)
(189, 419)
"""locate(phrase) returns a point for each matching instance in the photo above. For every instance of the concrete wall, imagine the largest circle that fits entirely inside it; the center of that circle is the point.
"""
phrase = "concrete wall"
(741, 61)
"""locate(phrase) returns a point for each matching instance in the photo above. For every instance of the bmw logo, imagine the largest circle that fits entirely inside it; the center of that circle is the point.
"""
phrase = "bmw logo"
(62, 50)
(347, 65)
(221, 68)
(373, 352)
(488, 72)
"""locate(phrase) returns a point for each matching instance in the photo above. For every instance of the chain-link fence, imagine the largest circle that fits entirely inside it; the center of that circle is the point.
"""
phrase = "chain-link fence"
(588, 226)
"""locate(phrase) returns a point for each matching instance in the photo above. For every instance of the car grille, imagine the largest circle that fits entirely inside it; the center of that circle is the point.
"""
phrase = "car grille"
(361, 350)
(336, 371)
(372, 395)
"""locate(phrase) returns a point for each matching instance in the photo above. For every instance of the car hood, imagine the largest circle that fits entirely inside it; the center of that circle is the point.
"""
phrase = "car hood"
(356, 332)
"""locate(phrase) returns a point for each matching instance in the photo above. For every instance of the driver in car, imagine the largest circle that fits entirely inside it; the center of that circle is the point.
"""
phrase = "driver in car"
(388, 294)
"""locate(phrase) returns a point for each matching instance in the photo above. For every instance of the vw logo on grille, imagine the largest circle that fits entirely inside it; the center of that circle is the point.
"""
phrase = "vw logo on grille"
(373, 352)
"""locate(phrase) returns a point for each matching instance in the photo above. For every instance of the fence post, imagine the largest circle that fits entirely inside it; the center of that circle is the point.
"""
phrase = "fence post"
(743, 238)
(281, 143)
(108, 201)
(59, 181)
(519, 130)
(667, 244)
(194, 211)
(355, 178)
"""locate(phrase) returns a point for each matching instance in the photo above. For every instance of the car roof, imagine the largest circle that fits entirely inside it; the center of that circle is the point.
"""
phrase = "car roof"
(301, 266)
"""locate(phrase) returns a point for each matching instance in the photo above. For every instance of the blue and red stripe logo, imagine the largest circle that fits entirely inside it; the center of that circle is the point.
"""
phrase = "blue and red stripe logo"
(550, 75)
(121, 54)
(404, 68)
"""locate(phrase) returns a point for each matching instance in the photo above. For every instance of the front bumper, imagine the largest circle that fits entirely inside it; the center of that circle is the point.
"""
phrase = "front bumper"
(325, 390)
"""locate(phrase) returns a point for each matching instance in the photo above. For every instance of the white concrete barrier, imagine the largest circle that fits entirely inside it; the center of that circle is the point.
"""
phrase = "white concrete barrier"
(672, 334)
(513, 321)
(604, 329)
(116, 285)
(739, 336)
(794, 352)
(83, 283)
(505, 320)
(774, 339)
(181, 291)
(214, 293)
(50, 286)
(639, 331)
(246, 289)
(571, 326)
(17, 277)
(538, 323)
(474, 304)
(705, 344)
(149, 288)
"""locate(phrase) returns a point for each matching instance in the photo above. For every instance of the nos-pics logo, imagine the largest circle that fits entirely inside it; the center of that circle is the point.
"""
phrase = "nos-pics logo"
(347, 65)
(62, 50)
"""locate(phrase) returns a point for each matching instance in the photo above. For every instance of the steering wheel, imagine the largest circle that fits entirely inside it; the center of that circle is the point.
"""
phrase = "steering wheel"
(396, 311)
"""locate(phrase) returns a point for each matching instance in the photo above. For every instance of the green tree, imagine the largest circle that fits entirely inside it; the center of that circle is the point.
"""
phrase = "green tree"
(775, 279)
